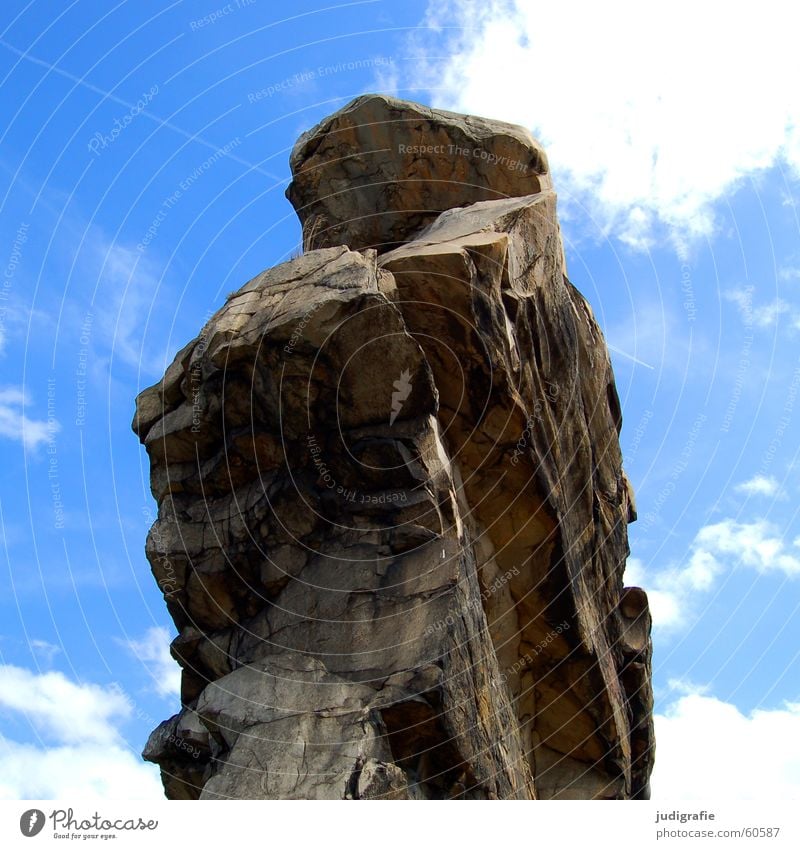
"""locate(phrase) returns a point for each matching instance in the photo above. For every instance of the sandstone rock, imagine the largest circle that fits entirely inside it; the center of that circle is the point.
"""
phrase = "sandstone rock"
(392, 519)
(378, 170)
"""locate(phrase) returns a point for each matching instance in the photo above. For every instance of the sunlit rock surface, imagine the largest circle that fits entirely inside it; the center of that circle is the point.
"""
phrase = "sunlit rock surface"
(392, 511)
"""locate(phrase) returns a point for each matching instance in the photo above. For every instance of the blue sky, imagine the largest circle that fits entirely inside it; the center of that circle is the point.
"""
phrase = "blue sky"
(676, 162)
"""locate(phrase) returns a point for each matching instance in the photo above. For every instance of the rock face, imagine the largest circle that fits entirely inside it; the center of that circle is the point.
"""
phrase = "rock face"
(374, 173)
(392, 510)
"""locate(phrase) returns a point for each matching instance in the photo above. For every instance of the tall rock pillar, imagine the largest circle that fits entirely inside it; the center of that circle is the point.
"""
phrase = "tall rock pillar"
(392, 516)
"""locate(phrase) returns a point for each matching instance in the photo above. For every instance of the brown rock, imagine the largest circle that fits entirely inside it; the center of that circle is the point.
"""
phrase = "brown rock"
(377, 171)
(392, 523)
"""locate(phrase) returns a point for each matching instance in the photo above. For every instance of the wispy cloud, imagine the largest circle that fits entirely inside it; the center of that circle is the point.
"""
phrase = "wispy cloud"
(17, 318)
(153, 651)
(127, 286)
(15, 424)
(768, 314)
(756, 545)
(128, 300)
(789, 272)
(760, 485)
(635, 125)
(716, 549)
(46, 651)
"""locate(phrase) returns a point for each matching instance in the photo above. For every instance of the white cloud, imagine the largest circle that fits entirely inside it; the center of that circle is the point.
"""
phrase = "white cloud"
(18, 319)
(76, 773)
(153, 651)
(764, 315)
(47, 651)
(645, 118)
(673, 592)
(789, 273)
(14, 424)
(130, 307)
(707, 748)
(717, 548)
(768, 315)
(126, 293)
(666, 605)
(687, 688)
(60, 709)
(743, 298)
(86, 756)
(756, 545)
(759, 485)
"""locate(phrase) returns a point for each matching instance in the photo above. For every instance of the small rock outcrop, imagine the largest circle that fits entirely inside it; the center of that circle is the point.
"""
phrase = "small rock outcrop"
(392, 516)
(375, 173)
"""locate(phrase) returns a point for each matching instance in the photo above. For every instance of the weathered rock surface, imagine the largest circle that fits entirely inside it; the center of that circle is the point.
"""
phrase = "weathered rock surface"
(392, 516)
(373, 174)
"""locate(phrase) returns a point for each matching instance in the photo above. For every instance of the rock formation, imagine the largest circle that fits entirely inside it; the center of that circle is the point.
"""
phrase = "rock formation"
(392, 517)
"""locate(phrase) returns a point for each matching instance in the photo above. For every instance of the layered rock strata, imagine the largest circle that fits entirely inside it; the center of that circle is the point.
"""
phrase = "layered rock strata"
(392, 510)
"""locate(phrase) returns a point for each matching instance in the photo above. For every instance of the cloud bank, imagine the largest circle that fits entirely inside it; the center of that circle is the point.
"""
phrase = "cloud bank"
(708, 748)
(85, 757)
(650, 113)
